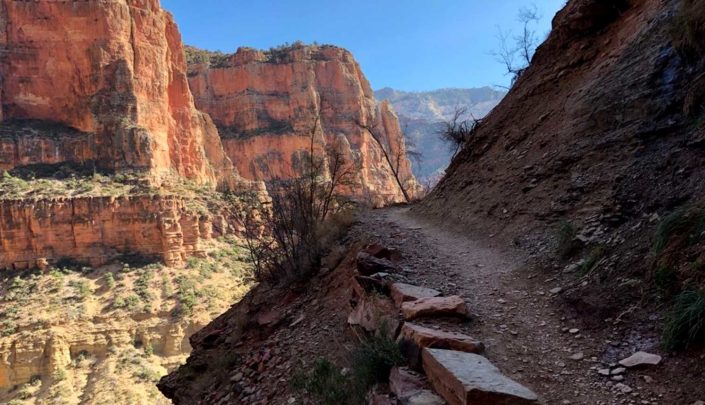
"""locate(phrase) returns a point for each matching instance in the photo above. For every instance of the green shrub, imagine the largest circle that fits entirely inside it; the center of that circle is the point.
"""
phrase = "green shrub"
(565, 239)
(685, 326)
(374, 359)
(685, 225)
(665, 279)
(596, 254)
(109, 281)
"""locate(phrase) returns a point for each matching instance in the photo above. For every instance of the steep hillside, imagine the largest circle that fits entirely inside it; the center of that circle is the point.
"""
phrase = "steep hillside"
(266, 105)
(598, 142)
(421, 115)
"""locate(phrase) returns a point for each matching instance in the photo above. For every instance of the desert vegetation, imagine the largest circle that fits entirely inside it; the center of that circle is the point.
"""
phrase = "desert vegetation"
(33, 303)
(306, 215)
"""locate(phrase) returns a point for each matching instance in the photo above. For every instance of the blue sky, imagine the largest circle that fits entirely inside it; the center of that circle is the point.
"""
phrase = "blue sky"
(405, 44)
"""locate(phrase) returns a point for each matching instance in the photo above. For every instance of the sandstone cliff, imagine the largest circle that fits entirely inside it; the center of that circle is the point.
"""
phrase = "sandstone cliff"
(602, 133)
(265, 105)
(96, 230)
(110, 76)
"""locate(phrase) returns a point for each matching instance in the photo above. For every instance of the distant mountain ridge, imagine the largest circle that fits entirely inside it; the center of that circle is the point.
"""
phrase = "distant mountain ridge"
(421, 115)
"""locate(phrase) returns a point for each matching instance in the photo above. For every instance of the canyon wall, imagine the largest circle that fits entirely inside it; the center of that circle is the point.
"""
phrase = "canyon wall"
(266, 105)
(114, 73)
(96, 230)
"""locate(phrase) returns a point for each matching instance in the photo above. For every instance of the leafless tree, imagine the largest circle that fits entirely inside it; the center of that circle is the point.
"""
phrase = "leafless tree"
(394, 154)
(457, 131)
(521, 47)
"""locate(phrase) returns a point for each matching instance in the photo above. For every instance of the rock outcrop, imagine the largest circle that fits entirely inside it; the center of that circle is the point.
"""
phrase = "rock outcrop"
(96, 230)
(111, 77)
(267, 104)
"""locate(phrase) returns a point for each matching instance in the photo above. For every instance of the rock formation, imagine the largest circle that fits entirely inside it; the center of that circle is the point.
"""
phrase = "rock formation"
(422, 115)
(96, 230)
(266, 105)
(101, 87)
(109, 78)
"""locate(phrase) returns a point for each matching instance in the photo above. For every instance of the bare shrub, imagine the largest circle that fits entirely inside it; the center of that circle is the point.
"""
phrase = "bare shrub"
(394, 153)
(287, 238)
(516, 52)
(457, 131)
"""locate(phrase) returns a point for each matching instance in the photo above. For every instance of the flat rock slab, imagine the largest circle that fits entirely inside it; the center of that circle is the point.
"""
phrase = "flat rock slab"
(402, 293)
(435, 307)
(467, 379)
(640, 359)
(423, 337)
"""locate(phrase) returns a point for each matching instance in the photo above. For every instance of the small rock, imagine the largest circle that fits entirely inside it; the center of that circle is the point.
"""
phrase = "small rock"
(617, 378)
(618, 371)
(556, 290)
(604, 371)
(573, 331)
(641, 359)
(625, 389)
(577, 356)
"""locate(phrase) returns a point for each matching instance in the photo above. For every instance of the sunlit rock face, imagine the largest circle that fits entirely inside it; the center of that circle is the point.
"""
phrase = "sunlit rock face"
(114, 73)
(266, 105)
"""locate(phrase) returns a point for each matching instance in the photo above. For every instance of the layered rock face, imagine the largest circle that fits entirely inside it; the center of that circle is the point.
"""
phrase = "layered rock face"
(96, 230)
(267, 104)
(114, 73)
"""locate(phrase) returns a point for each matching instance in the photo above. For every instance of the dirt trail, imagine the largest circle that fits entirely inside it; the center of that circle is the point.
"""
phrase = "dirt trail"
(517, 315)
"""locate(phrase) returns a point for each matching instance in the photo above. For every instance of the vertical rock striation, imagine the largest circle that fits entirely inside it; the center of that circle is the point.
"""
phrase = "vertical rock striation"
(113, 71)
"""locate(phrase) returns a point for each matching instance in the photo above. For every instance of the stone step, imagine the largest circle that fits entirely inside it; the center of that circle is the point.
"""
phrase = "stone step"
(470, 379)
(414, 338)
(435, 307)
(402, 293)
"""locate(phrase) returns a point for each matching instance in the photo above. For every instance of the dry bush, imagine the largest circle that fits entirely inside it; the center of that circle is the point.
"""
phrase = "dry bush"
(287, 238)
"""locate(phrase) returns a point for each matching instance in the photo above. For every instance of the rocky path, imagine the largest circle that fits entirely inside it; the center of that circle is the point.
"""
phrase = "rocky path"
(516, 315)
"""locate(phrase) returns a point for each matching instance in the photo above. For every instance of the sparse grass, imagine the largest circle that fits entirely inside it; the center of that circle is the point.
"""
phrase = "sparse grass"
(371, 363)
(565, 239)
(327, 385)
(374, 359)
(685, 326)
(685, 225)
(589, 263)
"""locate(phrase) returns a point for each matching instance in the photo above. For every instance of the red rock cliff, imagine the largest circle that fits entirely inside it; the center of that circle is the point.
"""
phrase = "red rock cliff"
(265, 105)
(114, 73)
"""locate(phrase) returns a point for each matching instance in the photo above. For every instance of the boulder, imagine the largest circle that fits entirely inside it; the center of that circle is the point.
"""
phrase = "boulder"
(402, 293)
(368, 265)
(640, 359)
(375, 314)
(435, 307)
(467, 378)
(382, 252)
